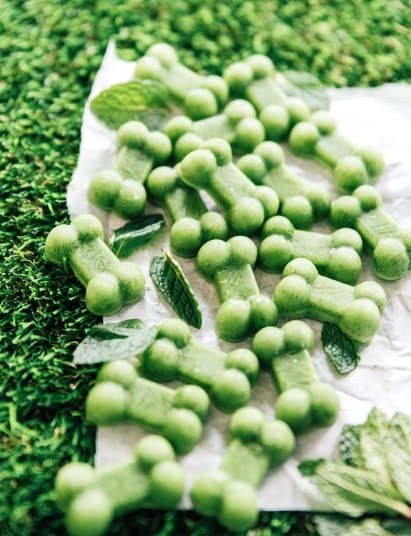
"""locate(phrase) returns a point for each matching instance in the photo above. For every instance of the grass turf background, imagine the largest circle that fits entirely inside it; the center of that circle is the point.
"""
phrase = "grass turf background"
(50, 51)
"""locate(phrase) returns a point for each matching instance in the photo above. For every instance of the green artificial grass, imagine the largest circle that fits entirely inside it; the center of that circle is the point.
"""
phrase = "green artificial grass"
(50, 51)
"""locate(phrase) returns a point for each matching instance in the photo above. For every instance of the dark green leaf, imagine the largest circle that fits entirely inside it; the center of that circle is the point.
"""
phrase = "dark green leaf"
(306, 86)
(309, 467)
(136, 234)
(170, 280)
(142, 100)
(111, 341)
(349, 445)
(341, 351)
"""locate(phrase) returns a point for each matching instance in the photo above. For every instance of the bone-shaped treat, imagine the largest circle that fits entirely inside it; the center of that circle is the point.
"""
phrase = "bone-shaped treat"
(245, 205)
(121, 395)
(256, 80)
(229, 266)
(110, 283)
(303, 292)
(335, 255)
(237, 124)
(229, 493)
(301, 201)
(200, 95)
(92, 498)
(304, 400)
(192, 223)
(121, 189)
(389, 243)
(176, 355)
(320, 139)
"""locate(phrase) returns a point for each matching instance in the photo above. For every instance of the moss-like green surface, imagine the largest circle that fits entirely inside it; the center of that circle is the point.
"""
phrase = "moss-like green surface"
(50, 51)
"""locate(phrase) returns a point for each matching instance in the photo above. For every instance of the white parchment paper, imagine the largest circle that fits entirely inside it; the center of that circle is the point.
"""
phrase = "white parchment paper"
(380, 116)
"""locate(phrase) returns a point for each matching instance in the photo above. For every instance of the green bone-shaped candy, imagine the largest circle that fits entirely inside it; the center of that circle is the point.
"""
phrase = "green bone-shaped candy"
(121, 395)
(303, 292)
(110, 283)
(237, 124)
(192, 223)
(304, 400)
(229, 266)
(255, 79)
(335, 255)
(301, 201)
(229, 493)
(91, 498)
(320, 139)
(176, 355)
(390, 245)
(200, 95)
(245, 205)
(121, 189)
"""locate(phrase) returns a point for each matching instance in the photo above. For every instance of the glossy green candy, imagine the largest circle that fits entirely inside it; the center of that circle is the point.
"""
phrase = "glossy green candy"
(200, 96)
(320, 139)
(335, 255)
(304, 400)
(91, 498)
(110, 283)
(302, 201)
(192, 223)
(303, 292)
(245, 205)
(121, 395)
(229, 266)
(121, 189)
(176, 355)
(229, 493)
(390, 245)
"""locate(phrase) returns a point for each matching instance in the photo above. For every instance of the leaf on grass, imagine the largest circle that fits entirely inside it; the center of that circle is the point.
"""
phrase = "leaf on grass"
(135, 234)
(341, 351)
(170, 280)
(306, 86)
(112, 341)
(141, 100)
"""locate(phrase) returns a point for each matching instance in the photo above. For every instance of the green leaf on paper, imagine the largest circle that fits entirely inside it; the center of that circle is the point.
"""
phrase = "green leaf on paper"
(341, 351)
(112, 341)
(135, 234)
(171, 282)
(141, 100)
(306, 86)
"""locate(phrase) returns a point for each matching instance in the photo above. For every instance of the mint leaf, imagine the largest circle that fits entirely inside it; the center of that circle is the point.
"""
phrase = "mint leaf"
(355, 491)
(306, 86)
(170, 280)
(341, 351)
(399, 459)
(135, 234)
(372, 443)
(111, 341)
(309, 467)
(342, 526)
(368, 527)
(141, 100)
(349, 445)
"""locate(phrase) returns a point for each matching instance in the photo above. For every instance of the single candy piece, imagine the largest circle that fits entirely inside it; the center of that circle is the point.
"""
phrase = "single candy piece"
(389, 243)
(121, 189)
(229, 266)
(201, 96)
(301, 201)
(192, 223)
(304, 400)
(237, 124)
(121, 395)
(229, 493)
(245, 205)
(320, 139)
(256, 80)
(303, 292)
(176, 355)
(335, 255)
(91, 498)
(110, 283)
